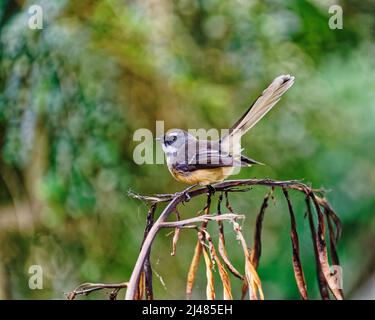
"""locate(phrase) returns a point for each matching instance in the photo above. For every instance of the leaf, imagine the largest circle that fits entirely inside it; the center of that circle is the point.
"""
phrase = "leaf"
(257, 248)
(227, 290)
(245, 288)
(193, 270)
(174, 240)
(141, 287)
(322, 283)
(210, 289)
(322, 251)
(254, 283)
(297, 265)
(224, 255)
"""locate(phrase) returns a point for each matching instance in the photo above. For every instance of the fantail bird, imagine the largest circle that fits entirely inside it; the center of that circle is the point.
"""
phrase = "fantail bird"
(205, 162)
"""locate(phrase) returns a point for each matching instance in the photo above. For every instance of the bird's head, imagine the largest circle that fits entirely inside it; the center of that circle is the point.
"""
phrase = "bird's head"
(174, 140)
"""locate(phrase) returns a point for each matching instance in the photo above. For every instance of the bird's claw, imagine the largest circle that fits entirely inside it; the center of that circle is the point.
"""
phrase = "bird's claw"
(211, 190)
(185, 195)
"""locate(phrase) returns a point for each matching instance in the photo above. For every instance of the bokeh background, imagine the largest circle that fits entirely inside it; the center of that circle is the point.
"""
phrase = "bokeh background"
(73, 93)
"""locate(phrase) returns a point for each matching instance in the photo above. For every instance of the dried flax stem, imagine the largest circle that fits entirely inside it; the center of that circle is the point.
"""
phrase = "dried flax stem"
(87, 288)
(297, 266)
(254, 283)
(141, 287)
(322, 283)
(176, 235)
(210, 288)
(322, 251)
(257, 249)
(147, 269)
(193, 270)
(227, 290)
(226, 187)
(221, 246)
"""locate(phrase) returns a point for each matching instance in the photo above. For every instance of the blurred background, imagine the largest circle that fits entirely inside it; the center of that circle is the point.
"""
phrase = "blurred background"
(73, 93)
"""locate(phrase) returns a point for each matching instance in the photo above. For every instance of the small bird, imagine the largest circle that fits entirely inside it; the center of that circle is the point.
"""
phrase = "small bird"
(204, 162)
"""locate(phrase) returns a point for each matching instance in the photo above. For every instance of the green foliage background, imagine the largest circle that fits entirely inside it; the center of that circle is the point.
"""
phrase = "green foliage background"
(72, 95)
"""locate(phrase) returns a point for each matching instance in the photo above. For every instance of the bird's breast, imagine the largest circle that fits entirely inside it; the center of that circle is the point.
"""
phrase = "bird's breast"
(202, 176)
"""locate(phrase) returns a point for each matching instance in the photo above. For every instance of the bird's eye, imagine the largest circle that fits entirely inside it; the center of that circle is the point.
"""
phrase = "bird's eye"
(170, 140)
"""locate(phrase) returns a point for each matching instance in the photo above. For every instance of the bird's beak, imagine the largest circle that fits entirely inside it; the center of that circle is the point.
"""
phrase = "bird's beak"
(159, 139)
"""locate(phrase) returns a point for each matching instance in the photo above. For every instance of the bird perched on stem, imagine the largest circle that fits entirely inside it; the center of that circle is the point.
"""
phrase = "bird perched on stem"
(204, 162)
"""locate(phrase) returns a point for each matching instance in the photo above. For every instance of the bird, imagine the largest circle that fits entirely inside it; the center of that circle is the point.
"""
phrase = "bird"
(205, 162)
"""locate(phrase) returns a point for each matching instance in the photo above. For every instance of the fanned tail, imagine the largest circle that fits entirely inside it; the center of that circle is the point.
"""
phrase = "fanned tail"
(264, 103)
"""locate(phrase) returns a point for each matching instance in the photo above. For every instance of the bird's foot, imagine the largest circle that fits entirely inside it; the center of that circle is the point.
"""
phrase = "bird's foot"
(185, 194)
(211, 190)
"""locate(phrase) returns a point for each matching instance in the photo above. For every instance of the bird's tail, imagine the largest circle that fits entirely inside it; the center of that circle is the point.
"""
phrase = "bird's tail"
(260, 107)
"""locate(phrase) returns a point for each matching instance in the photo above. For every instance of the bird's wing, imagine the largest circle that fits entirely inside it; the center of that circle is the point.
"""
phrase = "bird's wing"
(211, 159)
(206, 159)
(206, 154)
(260, 107)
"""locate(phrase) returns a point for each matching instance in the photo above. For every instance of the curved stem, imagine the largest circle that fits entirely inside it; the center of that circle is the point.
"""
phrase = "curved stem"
(134, 279)
(175, 199)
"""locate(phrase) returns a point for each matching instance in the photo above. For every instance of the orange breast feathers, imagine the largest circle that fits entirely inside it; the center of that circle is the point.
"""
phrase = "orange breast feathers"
(203, 176)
